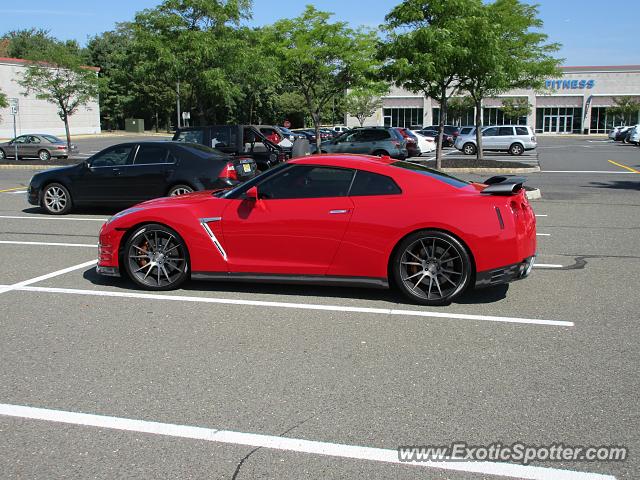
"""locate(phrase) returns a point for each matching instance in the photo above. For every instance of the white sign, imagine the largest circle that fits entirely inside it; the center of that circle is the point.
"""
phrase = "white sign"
(14, 110)
(186, 115)
(13, 102)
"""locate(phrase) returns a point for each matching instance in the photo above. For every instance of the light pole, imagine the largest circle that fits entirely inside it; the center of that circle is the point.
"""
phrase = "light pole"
(178, 104)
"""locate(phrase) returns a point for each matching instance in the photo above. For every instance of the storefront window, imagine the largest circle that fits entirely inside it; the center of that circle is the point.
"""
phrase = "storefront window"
(403, 117)
(467, 118)
(495, 116)
(558, 120)
(603, 122)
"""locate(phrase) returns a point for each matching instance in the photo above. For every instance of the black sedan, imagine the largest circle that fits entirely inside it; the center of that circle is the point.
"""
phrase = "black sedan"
(129, 173)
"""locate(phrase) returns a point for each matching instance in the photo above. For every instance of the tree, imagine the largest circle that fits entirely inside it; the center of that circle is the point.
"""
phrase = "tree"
(362, 102)
(320, 60)
(506, 50)
(57, 75)
(457, 107)
(516, 108)
(625, 107)
(4, 103)
(30, 43)
(425, 49)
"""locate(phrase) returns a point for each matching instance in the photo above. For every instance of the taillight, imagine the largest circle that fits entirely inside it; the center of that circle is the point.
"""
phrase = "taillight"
(61, 148)
(229, 172)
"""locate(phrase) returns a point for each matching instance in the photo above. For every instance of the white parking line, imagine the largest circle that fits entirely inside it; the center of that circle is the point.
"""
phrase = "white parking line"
(289, 444)
(300, 306)
(7, 288)
(547, 265)
(543, 234)
(15, 193)
(541, 215)
(45, 217)
(585, 171)
(52, 244)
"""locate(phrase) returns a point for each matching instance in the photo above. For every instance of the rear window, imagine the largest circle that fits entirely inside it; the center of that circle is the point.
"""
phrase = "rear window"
(505, 131)
(430, 172)
(52, 139)
(522, 131)
(466, 130)
(202, 151)
(189, 136)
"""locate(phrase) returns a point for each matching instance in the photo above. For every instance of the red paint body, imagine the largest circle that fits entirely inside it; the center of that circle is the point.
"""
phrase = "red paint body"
(300, 237)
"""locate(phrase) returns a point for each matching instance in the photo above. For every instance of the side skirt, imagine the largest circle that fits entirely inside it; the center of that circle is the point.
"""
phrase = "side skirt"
(368, 282)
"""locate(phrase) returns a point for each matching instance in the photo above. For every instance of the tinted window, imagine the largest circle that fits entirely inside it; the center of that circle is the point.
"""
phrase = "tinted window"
(466, 131)
(202, 151)
(189, 136)
(490, 132)
(505, 131)
(522, 131)
(368, 183)
(430, 172)
(307, 182)
(375, 135)
(52, 139)
(223, 137)
(151, 154)
(357, 136)
(112, 157)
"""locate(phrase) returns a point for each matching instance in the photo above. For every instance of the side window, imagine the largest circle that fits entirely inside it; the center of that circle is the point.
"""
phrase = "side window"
(357, 136)
(22, 139)
(190, 136)
(151, 154)
(377, 135)
(505, 131)
(490, 132)
(33, 139)
(221, 137)
(522, 131)
(112, 157)
(368, 183)
(307, 182)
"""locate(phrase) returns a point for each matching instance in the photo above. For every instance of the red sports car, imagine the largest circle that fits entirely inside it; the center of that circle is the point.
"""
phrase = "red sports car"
(332, 219)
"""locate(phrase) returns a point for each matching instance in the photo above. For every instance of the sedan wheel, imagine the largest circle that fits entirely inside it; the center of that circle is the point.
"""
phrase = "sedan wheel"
(156, 258)
(432, 267)
(2, 155)
(180, 190)
(469, 149)
(56, 199)
(44, 155)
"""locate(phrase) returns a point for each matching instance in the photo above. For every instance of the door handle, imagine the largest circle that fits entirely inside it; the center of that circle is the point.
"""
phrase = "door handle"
(117, 171)
(338, 212)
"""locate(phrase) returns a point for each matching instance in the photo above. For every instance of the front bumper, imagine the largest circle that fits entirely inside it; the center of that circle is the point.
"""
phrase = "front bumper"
(108, 271)
(507, 274)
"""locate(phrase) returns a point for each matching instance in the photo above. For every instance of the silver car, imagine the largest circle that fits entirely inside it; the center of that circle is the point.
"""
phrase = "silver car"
(515, 139)
(36, 145)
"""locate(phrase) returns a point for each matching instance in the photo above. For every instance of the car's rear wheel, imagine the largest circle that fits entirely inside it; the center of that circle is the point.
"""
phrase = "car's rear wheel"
(431, 267)
(44, 155)
(516, 149)
(2, 155)
(56, 199)
(179, 190)
(156, 258)
(469, 149)
(381, 153)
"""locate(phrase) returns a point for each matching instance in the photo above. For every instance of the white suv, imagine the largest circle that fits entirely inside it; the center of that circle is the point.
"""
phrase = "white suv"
(515, 139)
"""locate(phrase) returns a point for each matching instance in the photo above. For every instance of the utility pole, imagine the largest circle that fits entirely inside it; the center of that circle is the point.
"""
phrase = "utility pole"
(178, 104)
(14, 105)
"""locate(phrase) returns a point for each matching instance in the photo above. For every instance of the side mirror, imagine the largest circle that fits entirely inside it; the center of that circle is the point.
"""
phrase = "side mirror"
(252, 194)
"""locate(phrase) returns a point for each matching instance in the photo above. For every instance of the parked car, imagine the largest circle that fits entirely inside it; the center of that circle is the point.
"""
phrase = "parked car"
(276, 135)
(447, 139)
(425, 144)
(467, 130)
(130, 173)
(308, 133)
(614, 132)
(340, 128)
(515, 139)
(379, 141)
(413, 149)
(37, 145)
(291, 134)
(620, 133)
(634, 137)
(628, 133)
(332, 219)
(238, 141)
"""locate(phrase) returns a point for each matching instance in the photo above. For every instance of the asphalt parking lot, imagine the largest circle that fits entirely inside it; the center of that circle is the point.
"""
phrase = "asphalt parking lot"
(309, 382)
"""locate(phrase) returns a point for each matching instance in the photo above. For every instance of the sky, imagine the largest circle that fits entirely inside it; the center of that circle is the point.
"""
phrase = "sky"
(591, 33)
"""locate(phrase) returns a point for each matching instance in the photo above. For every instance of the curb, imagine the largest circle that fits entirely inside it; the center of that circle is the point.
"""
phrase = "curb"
(483, 170)
(533, 194)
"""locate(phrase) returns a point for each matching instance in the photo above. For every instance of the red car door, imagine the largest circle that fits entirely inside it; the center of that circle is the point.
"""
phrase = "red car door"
(294, 227)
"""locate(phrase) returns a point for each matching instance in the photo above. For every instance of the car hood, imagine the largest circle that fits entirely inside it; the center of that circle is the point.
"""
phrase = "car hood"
(180, 200)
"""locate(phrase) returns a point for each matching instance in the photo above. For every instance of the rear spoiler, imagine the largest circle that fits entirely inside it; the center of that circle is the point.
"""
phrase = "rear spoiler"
(504, 185)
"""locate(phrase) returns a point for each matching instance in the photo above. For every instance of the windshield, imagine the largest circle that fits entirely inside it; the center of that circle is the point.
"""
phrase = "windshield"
(430, 172)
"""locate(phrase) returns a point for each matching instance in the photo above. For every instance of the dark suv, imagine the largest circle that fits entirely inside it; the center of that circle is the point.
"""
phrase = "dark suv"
(238, 141)
(378, 141)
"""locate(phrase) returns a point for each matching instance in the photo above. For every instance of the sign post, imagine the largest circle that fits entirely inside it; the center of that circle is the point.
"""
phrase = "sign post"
(186, 116)
(15, 108)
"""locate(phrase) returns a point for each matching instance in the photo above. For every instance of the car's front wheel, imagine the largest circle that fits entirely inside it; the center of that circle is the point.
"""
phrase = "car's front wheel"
(431, 267)
(56, 199)
(179, 190)
(156, 258)
(469, 149)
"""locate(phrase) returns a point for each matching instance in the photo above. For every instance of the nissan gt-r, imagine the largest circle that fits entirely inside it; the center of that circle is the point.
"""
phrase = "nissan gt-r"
(332, 219)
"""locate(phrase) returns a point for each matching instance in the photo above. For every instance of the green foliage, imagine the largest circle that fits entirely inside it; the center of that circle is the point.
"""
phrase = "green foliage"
(362, 102)
(4, 103)
(458, 106)
(516, 108)
(31, 44)
(319, 59)
(57, 75)
(626, 108)
(426, 48)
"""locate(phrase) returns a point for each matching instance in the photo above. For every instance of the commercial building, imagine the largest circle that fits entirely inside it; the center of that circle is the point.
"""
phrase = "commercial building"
(39, 116)
(576, 102)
